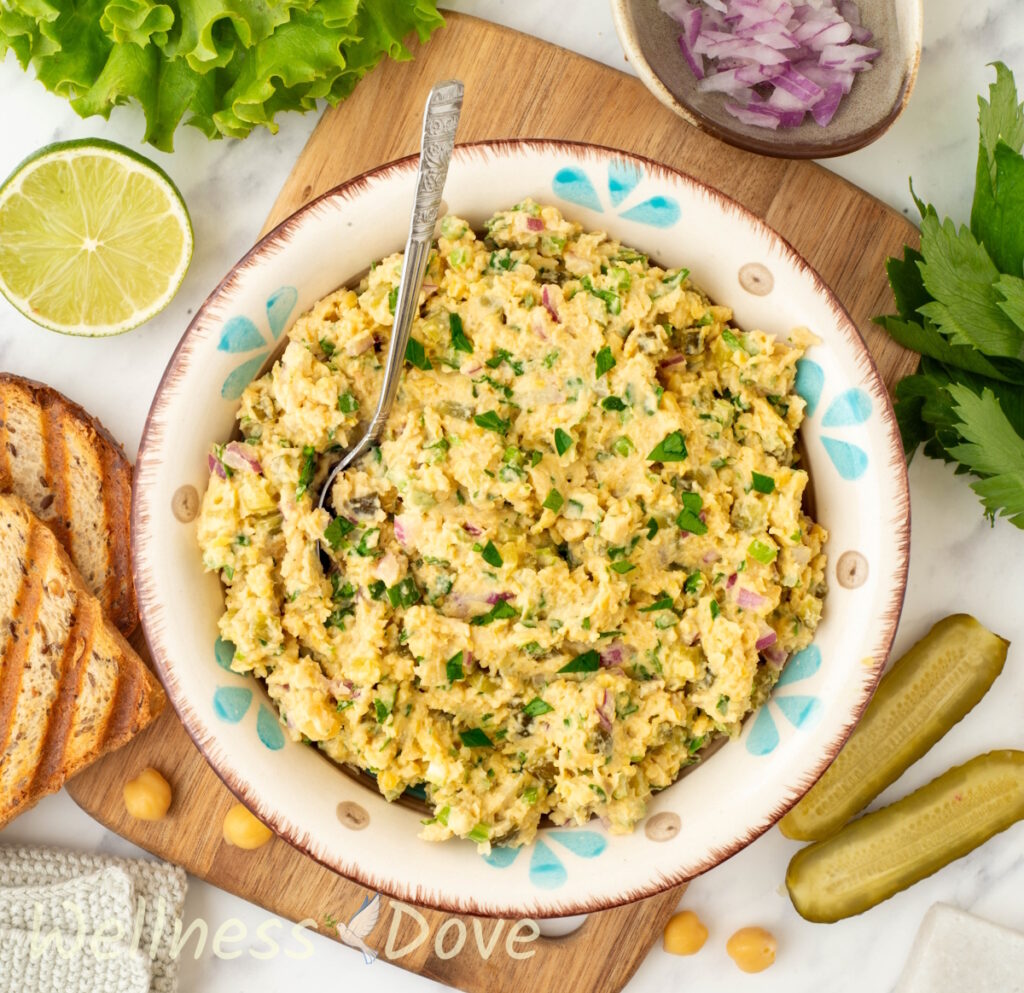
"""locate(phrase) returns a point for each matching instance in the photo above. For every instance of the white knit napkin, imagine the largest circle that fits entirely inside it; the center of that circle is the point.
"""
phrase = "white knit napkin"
(74, 923)
(956, 951)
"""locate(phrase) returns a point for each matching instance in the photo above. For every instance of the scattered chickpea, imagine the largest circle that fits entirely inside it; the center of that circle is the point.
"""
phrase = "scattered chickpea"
(685, 934)
(148, 796)
(243, 830)
(752, 948)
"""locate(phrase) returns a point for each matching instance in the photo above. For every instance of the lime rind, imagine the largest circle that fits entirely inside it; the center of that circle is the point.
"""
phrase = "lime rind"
(131, 167)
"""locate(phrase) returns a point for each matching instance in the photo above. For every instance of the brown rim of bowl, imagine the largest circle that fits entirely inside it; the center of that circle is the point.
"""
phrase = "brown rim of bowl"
(625, 28)
(290, 832)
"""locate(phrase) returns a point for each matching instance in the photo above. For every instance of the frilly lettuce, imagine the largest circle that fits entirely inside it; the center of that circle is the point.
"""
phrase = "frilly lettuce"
(223, 66)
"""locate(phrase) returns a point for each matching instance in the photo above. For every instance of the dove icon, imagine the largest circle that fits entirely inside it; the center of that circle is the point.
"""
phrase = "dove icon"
(364, 920)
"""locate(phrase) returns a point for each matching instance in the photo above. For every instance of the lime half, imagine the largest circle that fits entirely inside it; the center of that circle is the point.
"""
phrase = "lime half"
(94, 239)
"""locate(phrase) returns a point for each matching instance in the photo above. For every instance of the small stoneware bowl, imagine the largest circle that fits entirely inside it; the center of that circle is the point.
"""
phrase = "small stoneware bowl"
(650, 39)
(852, 448)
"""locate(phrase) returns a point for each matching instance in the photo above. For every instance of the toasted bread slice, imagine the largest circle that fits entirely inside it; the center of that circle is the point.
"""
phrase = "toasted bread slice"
(77, 480)
(71, 687)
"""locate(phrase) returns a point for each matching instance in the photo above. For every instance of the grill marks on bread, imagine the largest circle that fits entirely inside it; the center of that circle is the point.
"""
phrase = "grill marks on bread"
(71, 688)
(77, 480)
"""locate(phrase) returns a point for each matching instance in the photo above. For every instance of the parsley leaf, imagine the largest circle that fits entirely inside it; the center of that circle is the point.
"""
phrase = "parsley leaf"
(536, 707)
(336, 531)
(500, 611)
(416, 355)
(563, 441)
(491, 555)
(453, 668)
(1001, 117)
(306, 471)
(603, 361)
(587, 662)
(959, 274)
(553, 501)
(459, 340)
(671, 448)
(926, 339)
(993, 450)
(492, 421)
(475, 738)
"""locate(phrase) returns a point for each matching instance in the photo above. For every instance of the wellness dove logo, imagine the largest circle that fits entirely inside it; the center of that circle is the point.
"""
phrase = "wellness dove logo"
(361, 926)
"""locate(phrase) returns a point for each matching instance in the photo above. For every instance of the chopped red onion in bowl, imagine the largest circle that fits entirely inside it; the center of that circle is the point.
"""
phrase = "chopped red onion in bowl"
(613, 655)
(240, 456)
(549, 303)
(777, 60)
(748, 599)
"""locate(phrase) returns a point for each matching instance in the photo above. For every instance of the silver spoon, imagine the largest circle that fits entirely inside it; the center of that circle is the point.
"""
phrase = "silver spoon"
(440, 121)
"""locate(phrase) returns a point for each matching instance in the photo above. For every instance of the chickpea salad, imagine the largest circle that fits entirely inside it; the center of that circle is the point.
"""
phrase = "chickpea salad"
(578, 555)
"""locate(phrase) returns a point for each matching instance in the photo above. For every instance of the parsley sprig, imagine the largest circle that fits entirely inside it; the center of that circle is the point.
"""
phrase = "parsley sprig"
(960, 303)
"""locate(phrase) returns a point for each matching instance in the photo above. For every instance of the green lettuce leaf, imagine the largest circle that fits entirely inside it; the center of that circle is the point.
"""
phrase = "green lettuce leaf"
(222, 66)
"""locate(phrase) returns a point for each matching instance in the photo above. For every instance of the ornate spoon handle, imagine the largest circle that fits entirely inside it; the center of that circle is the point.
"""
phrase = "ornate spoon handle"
(440, 121)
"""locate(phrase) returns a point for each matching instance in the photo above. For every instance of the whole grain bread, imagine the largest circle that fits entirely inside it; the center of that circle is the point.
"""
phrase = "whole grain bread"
(77, 480)
(71, 687)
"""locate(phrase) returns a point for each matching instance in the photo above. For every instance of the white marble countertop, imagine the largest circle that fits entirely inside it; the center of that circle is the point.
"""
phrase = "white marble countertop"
(959, 562)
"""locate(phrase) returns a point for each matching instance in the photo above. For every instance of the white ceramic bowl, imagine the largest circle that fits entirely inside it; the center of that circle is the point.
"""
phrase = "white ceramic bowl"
(859, 481)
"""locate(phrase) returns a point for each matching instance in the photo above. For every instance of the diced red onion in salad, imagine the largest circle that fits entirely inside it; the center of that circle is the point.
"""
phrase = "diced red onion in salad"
(775, 656)
(546, 299)
(731, 581)
(240, 456)
(604, 711)
(670, 360)
(535, 224)
(471, 529)
(401, 534)
(767, 639)
(493, 598)
(388, 567)
(613, 655)
(215, 467)
(359, 346)
(777, 60)
(748, 599)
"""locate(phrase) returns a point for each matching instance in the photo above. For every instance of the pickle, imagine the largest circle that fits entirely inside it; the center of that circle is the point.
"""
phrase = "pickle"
(888, 850)
(924, 694)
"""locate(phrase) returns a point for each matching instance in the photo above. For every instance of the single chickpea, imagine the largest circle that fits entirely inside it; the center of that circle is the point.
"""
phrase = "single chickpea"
(148, 796)
(685, 934)
(243, 830)
(752, 948)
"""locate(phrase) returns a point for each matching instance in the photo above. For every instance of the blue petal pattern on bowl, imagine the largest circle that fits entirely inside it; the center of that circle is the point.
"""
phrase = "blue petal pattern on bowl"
(241, 335)
(573, 184)
(232, 703)
(547, 871)
(848, 410)
(800, 710)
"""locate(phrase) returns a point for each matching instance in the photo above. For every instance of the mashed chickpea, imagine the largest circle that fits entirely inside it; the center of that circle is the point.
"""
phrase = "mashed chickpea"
(578, 554)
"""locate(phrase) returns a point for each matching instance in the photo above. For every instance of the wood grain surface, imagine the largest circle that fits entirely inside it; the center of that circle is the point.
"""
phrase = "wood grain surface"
(516, 86)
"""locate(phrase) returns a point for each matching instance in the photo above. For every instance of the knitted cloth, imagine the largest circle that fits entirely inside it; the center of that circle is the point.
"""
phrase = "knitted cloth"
(92, 923)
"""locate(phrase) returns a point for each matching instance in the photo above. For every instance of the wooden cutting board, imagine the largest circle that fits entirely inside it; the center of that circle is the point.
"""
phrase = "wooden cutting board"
(516, 86)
